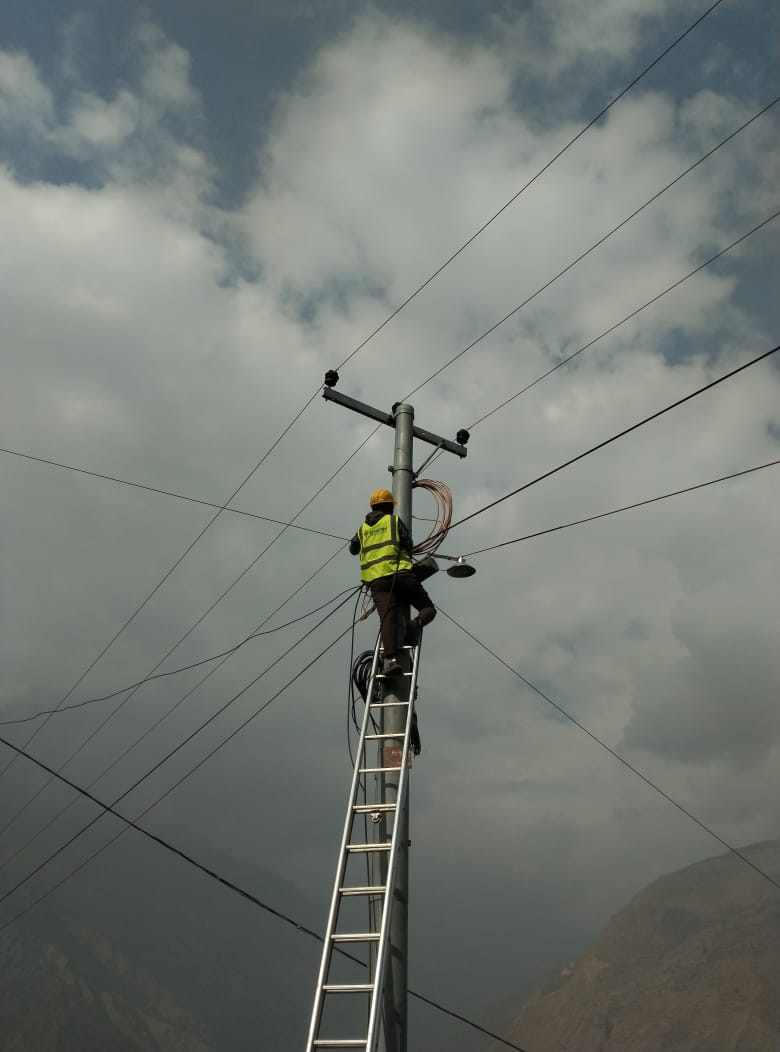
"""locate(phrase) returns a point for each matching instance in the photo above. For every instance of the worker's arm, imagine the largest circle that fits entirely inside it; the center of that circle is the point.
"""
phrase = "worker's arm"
(404, 536)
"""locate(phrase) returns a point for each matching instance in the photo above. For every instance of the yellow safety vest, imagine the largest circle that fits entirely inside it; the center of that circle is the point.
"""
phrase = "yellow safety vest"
(380, 551)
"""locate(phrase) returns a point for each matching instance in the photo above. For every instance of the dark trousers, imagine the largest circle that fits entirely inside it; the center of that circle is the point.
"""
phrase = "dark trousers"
(388, 594)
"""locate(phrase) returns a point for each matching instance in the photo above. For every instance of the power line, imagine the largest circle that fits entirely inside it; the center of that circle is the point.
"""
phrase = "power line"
(226, 882)
(300, 413)
(202, 617)
(223, 507)
(107, 719)
(532, 180)
(599, 741)
(626, 507)
(168, 653)
(594, 246)
(628, 317)
(165, 492)
(161, 719)
(165, 577)
(177, 671)
(573, 263)
(620, 434)
(174, 647)
(188, 739)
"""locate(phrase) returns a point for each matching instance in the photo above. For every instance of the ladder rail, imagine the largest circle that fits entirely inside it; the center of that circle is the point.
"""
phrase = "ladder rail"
(341, 865)
(382, 936)
(374, 1017)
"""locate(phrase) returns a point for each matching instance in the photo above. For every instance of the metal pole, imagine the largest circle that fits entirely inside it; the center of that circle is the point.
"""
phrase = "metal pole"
(395, 1028)
(393, 1032)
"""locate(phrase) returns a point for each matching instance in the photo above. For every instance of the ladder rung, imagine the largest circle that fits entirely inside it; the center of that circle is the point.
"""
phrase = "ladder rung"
(368, 809)
(376, 737)
(346, 1043)
(364, 889)
(379, 770)
(349, 988)
(355, 936)
(369, 847)
(388, 704)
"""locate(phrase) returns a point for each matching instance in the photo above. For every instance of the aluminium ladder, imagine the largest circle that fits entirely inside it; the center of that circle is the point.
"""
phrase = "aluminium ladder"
(378, 890)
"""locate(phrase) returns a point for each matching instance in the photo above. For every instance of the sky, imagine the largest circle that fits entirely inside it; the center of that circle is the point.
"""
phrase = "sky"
(204, 208)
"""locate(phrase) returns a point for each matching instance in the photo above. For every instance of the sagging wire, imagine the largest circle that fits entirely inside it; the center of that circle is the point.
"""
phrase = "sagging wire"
(175, 671)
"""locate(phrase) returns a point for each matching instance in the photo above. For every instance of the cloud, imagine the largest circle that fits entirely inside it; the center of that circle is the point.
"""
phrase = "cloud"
(155, 336)
(25, 101)
(551, 41)
(717, 698)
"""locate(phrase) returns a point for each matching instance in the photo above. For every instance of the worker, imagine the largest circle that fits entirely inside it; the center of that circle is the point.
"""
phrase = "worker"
(384, 545)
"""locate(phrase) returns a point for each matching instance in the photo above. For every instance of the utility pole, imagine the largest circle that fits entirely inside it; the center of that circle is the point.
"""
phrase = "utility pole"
(393, 1032)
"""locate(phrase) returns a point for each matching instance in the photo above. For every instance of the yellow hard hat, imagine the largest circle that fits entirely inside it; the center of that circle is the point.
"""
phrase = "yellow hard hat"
(381, 496)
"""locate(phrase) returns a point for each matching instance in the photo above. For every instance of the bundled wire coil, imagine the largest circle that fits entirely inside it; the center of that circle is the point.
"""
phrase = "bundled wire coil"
(442, 495)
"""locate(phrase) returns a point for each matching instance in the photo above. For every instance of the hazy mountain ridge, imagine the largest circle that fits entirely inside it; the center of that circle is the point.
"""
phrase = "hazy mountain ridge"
(57, 999)
(142, 956)
(690, 965)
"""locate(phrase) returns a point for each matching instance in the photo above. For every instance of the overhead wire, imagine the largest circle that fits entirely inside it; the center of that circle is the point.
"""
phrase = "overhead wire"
(225, 882)
(628, 317)
(165, 492)
(134, 690)
(607, 332)
(616, 755)
(626, 507)
(165, 577)
(202, 726)
(620, 434)
(436, 452)
(594, 246)
(444, 503)
(186, 635)
(355, 351)
(594, 120)
(221, 508)
(161, 719)
(182, 668)
(666, 51)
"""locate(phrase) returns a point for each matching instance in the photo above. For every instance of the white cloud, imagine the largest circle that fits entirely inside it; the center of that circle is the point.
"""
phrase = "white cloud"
(24, 99)
(98, 124)
(551, 40)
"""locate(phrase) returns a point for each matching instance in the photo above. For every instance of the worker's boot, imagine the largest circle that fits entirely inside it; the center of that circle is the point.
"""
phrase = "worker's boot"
(413, 632)
(392, 667)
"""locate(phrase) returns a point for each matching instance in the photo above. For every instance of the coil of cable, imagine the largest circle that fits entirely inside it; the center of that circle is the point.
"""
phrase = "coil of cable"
(442, 495)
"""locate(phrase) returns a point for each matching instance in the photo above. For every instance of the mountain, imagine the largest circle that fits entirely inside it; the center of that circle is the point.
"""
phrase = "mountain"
(140, 953)
(690, 965)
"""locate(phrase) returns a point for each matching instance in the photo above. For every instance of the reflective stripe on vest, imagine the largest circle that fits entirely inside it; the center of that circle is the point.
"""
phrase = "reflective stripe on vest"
(380, 552)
